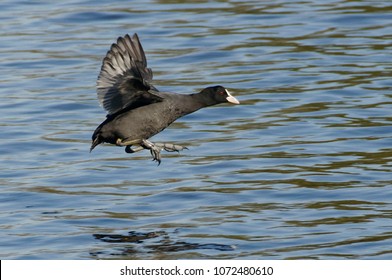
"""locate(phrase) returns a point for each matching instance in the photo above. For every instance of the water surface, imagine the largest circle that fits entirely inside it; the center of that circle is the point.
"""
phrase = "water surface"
(301, 169)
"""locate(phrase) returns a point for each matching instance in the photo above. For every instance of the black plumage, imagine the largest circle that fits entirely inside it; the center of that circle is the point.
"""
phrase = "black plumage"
(136, 109)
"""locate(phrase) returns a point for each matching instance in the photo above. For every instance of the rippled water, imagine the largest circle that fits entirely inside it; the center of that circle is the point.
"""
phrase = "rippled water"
(302, 169)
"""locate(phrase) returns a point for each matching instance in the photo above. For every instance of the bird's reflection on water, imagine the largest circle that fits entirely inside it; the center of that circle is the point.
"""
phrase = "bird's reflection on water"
(154, 242)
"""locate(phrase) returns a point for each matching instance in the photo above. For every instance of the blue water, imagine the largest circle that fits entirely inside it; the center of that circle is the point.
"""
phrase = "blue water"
(301, 169)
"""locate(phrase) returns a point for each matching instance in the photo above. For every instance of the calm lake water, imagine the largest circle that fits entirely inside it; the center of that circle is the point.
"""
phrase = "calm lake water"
(301, 169)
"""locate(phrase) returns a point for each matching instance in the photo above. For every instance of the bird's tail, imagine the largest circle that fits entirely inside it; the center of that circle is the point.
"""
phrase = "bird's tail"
(96, 139)
(95, 143)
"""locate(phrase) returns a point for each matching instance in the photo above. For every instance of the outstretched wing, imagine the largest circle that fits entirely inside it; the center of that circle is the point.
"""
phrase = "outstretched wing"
(125, 80)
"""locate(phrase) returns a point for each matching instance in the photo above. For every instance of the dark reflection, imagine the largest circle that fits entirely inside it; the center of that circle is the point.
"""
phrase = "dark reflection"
(161, 243)
(132, 237)
(183, 246)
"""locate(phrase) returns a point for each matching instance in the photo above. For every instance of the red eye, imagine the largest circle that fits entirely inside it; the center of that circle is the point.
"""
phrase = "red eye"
(221, 92)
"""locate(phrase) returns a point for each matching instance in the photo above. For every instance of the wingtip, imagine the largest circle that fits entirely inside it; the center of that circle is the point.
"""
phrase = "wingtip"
(127, 36)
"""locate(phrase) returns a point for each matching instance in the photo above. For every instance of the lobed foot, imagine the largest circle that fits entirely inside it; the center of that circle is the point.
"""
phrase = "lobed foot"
(168, 147)
(155, 148)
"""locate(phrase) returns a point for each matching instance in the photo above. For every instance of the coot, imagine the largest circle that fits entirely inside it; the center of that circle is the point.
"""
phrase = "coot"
(136, 109)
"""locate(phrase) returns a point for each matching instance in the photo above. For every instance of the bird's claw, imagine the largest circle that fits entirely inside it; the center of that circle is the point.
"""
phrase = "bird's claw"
(158, 147)
(154, 150)
(156, 155)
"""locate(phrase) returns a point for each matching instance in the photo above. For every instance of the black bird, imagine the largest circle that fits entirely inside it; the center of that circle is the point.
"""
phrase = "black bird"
(136, 109)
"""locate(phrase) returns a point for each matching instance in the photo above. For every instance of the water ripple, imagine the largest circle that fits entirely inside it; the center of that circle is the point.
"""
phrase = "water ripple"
(301, 170)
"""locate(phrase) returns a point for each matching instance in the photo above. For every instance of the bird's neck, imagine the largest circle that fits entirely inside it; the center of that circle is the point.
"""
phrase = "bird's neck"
(202, 100)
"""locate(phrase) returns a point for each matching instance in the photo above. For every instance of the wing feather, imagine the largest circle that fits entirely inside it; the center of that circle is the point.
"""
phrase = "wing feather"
(125, 80)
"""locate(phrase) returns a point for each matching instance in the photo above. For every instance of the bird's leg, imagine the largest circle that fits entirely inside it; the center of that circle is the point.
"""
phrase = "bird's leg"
(130, 150)
(129, 144)
(124, 142)
(155, 148)
(168, 147)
